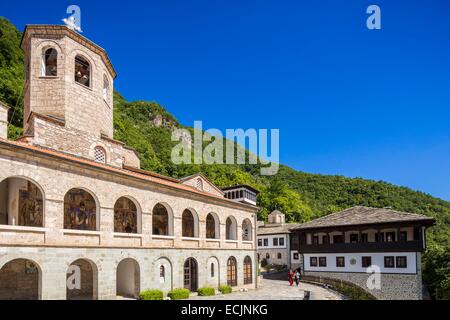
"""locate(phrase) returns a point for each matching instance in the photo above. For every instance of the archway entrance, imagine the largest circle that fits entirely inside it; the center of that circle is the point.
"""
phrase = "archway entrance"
(191, 274)
(128, 278)
(81, 281)
(232, 272)
(20, 279)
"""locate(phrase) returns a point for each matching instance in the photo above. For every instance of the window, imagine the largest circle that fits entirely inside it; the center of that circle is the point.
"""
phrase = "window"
(401, 262)
(199, 184)
(322, 261)
(100, 155)
(313, 261)
(212, 270)
(295, 256)
(106, 90)
(275, 242)
(403, 236)
(390, 236)
(338, 238)
(50, 63)
(162, 272)
(278, 255)
(315, 240)
(354, 238)
(340, 262)
(82, 71)
(389, 262)
(247, 230)
(259, 242)
(366, 262)
(281, 241)
(325, 239)
(266, 242)
(267, 256)
(364, 237)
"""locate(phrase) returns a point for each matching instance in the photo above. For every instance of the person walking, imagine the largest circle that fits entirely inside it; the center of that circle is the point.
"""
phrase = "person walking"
(297, 277)
(290, 276)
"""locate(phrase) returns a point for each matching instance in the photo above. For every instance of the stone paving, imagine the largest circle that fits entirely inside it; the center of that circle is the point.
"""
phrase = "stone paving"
(278, 290)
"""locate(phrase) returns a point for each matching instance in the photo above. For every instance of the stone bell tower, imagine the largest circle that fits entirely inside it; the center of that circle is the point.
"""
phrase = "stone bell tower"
(68, 78)
(68, 100)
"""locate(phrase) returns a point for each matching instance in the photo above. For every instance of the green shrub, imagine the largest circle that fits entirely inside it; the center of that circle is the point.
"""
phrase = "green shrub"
(151, 295)
(178, 294)
(207, 291)
(225, 289)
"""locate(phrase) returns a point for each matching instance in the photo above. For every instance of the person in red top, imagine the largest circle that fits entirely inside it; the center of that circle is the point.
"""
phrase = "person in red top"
(290, 276)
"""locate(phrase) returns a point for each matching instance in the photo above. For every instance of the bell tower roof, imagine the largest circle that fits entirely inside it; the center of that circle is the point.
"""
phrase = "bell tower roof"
(47, 31)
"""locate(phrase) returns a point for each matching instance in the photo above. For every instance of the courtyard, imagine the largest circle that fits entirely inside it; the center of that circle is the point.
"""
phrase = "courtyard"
(278, 290)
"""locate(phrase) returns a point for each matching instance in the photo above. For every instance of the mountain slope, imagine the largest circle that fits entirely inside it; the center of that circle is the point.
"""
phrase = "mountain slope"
(147, 127)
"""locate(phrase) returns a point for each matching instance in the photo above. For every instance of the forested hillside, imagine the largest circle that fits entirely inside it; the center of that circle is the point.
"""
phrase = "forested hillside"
(147, 127)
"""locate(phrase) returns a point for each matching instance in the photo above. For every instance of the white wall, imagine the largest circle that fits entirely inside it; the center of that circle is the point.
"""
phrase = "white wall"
(377, 259)
(270, 243)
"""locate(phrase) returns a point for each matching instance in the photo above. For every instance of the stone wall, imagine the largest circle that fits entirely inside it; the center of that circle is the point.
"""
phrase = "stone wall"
(393, 286)
(53, 263)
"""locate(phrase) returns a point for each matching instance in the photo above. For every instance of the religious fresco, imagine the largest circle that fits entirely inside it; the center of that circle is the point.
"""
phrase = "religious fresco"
(30, 206)
(125, 216)
(79, 210)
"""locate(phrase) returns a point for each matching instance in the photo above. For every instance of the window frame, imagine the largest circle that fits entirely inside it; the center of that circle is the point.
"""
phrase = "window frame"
(313, 261)
(322, 262)
(389, 265)
(364, 260)
(340, 262)
(400, 265)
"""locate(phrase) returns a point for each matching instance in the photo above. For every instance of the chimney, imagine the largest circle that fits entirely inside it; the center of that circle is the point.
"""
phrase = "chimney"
(3, 121)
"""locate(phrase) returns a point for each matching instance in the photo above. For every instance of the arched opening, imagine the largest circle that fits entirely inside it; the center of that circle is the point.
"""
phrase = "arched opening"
(247, 230)
(212, 226)
(189, 224)
(162, 220)
(21, 203)
(128, 278)
(80, 210)
(82, 280)
(231, 228)
(126, 217)
(20, 279)
(191, 274)
(232, 272)
(248, 277)
(50, 63)
(82, 71)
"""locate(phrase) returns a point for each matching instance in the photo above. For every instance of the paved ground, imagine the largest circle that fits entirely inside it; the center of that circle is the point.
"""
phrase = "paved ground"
(278, 290)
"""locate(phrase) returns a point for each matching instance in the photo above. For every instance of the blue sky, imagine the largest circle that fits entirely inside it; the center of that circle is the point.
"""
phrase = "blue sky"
(347, 100)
